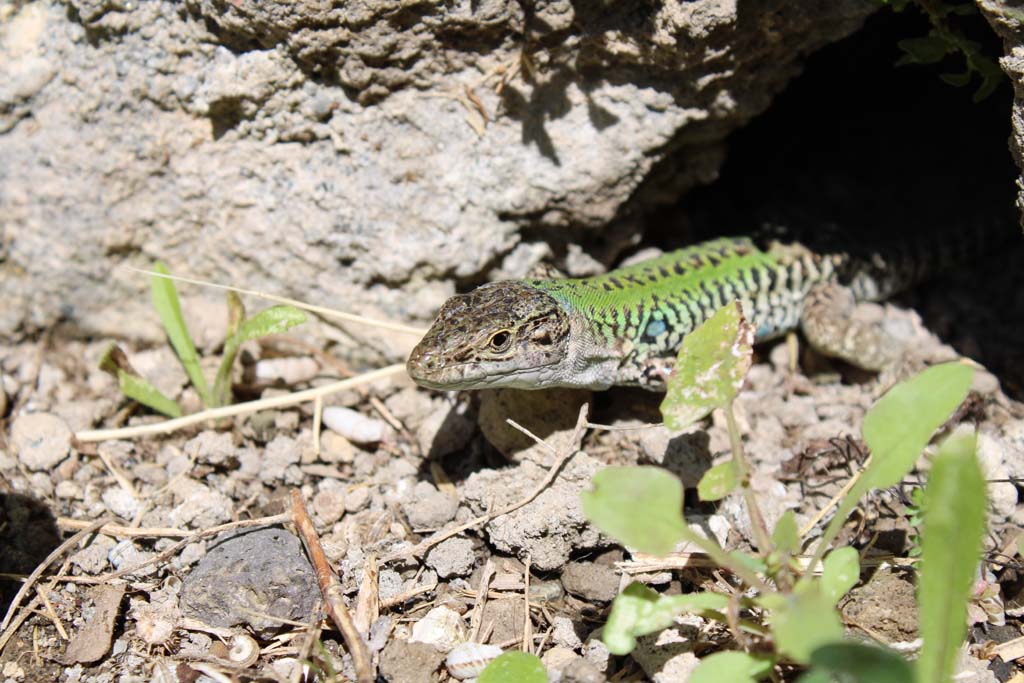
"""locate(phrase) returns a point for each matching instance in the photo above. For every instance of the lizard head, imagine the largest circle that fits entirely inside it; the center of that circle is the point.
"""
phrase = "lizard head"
(503, 334)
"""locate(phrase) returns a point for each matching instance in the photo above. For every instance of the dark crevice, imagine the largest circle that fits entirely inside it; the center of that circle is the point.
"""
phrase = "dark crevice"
(873, 152)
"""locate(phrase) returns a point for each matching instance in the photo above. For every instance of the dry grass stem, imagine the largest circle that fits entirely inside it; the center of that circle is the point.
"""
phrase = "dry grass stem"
(320, 310)
(168, 426)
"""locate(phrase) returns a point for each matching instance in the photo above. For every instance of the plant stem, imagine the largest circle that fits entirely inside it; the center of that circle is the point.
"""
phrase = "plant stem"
(724, 559)
(761, 536)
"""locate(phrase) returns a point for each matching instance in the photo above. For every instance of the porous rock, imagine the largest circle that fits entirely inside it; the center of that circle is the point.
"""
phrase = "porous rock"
(338, 99)
(40, 440)
(453, 557)
(250, 574)
(548, 528)
(591, 581)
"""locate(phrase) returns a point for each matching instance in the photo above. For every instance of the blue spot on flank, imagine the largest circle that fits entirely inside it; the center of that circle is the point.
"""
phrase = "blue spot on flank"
(765, 330)
(655, 328)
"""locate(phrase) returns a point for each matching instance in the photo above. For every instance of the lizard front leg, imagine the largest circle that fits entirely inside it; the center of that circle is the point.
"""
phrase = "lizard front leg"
(828, 324)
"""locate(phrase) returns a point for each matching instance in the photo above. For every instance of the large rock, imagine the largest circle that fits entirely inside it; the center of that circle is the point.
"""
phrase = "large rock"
(355, 154)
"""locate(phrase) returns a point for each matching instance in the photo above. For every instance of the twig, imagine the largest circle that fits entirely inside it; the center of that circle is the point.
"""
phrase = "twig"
(42, 592)
(123, 481)
(318, 414)
(527, 635)
(553, 471)
(306, 650)
(331, 590)
(368, 598)
(757, 523)
(477, 617)
(396, 600)
(119, 531)
(833, 502)
(329, 312)
(168, 426)
(38, 571)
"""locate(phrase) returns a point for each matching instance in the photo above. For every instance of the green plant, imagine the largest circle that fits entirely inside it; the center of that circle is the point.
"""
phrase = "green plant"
(791, 615)
(514, 667)
(944, 39)
(273, 320)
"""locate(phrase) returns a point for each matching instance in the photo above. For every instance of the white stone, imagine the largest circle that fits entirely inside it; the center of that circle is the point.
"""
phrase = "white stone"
(353, 425)
(441, 627)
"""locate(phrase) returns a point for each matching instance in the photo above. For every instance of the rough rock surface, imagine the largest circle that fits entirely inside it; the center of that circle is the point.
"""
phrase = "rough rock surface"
(1009, 24)
(548, 528)
(237, 142)
(256, 573)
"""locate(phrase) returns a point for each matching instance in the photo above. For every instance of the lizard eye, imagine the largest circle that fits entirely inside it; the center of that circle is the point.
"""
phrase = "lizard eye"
(499, 341)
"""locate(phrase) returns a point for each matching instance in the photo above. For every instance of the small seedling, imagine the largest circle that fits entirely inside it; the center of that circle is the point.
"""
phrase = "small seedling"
(790, 616)
(273, 320)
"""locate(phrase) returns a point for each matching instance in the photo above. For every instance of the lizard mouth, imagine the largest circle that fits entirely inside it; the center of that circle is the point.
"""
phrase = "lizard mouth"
(471, 375)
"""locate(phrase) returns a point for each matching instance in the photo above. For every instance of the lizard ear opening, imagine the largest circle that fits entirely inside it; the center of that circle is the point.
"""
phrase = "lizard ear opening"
(542, 337)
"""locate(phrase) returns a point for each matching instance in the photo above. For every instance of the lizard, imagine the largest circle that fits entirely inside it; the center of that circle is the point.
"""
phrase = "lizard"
(625, 327)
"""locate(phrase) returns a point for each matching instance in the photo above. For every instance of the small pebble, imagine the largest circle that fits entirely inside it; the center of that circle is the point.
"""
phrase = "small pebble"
(453, 557)
(357, 499)
(597, 582)
(556, 659)
(69, 490)
(428, 508)
(329, 505)
(288, 370)
(563, 633)
(120, 502)
(40, 440)
(441, 627)
(353, 425)
(336, 448)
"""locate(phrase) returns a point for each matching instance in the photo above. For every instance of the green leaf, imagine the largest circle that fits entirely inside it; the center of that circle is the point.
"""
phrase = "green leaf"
(957, 80)
(638, 610)
(786, 535)
(135, 386)
(954, 525)
(515, 667)
(751, 562)
(273, 320)
(710, 367)
(858, 664)
(923, 50)
(719, 481)
(840, 572)
(802, 621)
(165, 301)
(140, 389)
(897, 428)
(901, 423)
(641, 507)
(734, 667)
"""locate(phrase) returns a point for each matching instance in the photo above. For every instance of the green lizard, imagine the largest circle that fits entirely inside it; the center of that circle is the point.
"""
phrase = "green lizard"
(625, 327)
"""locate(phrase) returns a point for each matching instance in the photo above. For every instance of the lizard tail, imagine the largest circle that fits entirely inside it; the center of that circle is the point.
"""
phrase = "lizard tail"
(885, 269)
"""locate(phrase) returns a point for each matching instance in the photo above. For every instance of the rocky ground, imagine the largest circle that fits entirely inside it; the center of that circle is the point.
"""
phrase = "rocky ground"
(178, 584)
(379, 157)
